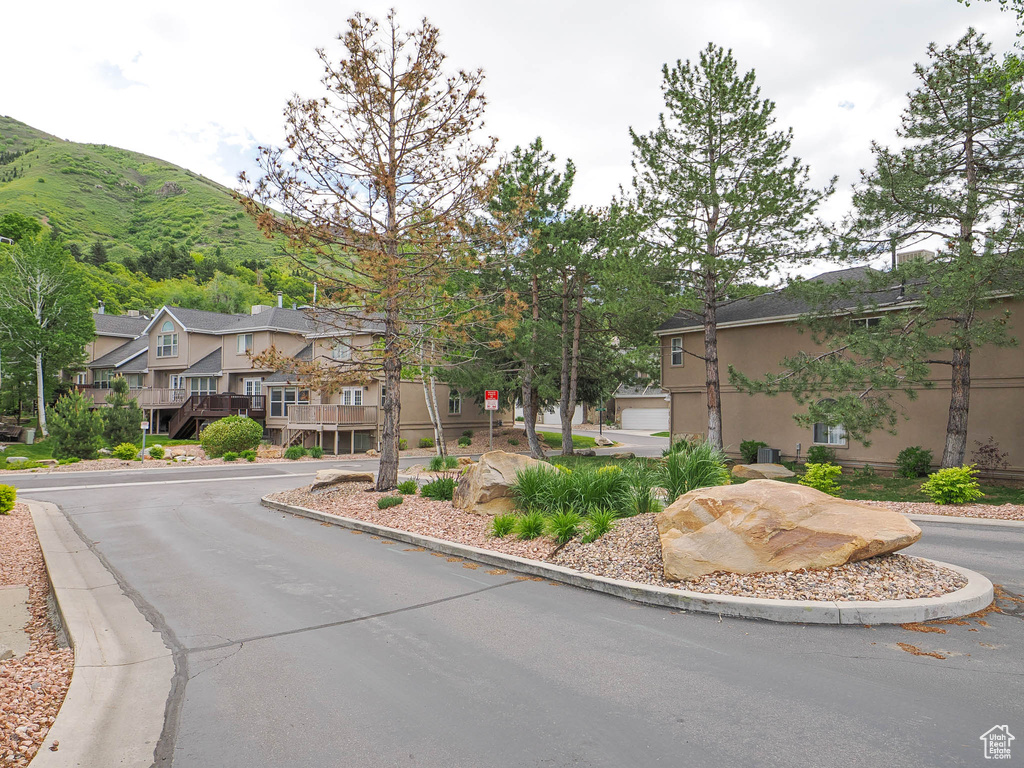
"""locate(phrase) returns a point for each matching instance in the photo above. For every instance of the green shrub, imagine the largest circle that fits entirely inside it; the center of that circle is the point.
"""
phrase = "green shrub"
(468, 434)
(125, 451)
(451, 462)
(679, 446)
(530, 525)
(403, 444)
(156, 452)
(953, 485)
(74, 428)
(748, 450)
(385, 502)
(563, 526)
(530, 490)
(502, 525)
(441, 489)
(426, 442)
(866, 472)
(821, 454)
(249, 455)
(122, 419)
(8, 495)
(71, 460)
(702, 466)
(513, 441)
(914, 461)
(230, 456)
(317, 452)
(294, 452)
(232, 433)
(408, 487)
(639, 499)
(599, 522)
(436, 463)
(822, 477)
(464, 441)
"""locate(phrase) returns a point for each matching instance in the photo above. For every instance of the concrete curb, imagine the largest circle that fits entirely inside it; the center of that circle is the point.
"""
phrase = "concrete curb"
(973, 597)
(113, 713)
(966, 520)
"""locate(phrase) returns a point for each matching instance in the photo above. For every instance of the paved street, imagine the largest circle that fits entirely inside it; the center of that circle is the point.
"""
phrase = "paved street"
(300, 644)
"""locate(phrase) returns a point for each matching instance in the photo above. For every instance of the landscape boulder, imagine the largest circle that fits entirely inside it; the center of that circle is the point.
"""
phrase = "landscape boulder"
(761, 471)
(485, 488)
(624, 456)
(325, 478)
(602, 440)
(768, 526)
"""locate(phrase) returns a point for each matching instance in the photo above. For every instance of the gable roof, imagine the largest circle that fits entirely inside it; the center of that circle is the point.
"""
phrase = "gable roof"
(117, 358)
(119, 325)
(219, 323)
(207, 366)
(777, 305)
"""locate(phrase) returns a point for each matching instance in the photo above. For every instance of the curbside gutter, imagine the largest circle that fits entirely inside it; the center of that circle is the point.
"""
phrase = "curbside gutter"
(977, 594)
(954, 520)
(113, 713)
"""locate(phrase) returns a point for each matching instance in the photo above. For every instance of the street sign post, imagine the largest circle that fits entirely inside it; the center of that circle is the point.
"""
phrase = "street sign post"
(145, 428)
(490, 405)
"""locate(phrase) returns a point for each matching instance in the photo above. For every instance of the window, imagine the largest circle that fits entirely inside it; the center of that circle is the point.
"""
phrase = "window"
(253, 386)
(134, 380)
(864, 322)
(202, 385)
(828, 434)
(677, 350)
(454, 404)
(341, 351)
(243, 343)
(352, 396)
(167, 341)
(82, 379)
(176, 381)
(102, 378)
(282, 397)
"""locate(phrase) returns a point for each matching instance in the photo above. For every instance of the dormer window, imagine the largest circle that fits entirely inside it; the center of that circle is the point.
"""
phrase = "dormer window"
(167, 341)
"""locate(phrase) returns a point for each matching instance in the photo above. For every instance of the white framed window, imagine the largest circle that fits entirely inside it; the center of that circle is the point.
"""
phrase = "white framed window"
(243, 343)
(352, 396)
(102, 378)
(677, 350)
(454, 404)
(176, 381)
(82, 378)
(828, 434)
(202, 385)
(865, 322)
(167, 341)
(253, 386)
(134, 380)
(341, 351)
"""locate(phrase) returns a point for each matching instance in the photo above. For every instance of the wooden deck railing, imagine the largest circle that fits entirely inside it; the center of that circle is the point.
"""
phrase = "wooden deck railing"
(331, 415)
(147, 397)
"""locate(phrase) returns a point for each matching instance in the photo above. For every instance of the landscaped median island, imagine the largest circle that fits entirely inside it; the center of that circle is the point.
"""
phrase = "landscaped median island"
(764, 539)
(33, 683)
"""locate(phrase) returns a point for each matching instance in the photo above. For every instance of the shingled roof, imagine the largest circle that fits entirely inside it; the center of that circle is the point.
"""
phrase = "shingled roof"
(119, 358)
(777, 304)
(306, 354)
(207, 366)
(119, 325)
(273, 318)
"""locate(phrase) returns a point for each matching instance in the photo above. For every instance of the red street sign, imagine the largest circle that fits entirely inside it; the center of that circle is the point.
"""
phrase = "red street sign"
(490, 400)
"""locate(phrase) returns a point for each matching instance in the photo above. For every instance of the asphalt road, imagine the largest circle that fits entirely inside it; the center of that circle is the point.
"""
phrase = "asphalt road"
(300, 644)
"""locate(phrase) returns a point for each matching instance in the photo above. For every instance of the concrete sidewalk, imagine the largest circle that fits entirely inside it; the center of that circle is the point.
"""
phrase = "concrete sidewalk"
(113, 713)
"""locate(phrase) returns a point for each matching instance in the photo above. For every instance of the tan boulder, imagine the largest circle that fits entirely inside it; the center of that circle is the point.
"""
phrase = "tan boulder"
(325, 478)
(761, 471)
(465, 461)
(768, 526)
(602, 440)
(485, 487)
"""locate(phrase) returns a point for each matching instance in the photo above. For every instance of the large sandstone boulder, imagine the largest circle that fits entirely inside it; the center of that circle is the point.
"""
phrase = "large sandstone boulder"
(768, 526)
(484, 489)
(761, 471)
(325, 478)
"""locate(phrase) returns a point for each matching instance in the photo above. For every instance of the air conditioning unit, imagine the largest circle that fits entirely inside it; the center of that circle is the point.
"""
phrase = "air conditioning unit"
(769, 456)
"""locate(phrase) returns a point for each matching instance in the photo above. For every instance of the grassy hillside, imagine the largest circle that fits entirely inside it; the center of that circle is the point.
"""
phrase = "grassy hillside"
(129, 201)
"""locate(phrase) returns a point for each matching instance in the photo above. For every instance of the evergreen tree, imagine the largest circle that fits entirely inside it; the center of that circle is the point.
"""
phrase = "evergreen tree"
(122, 419)
(98, 254)
(722, 200)
(76, 428)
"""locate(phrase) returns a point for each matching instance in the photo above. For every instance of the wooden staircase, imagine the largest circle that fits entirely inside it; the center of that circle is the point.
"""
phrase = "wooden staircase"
(187, 420)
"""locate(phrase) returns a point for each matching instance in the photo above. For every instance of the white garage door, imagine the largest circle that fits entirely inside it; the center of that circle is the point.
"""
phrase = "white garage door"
(554, 417)
(647, 419)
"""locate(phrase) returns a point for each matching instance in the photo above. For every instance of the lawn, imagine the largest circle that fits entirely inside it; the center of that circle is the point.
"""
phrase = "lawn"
(661, 434)
(554, 440)
(43, 449)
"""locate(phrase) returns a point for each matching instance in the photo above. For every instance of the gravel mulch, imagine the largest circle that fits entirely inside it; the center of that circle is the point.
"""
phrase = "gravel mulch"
(985, 511)
(32, 687)
(631, 551)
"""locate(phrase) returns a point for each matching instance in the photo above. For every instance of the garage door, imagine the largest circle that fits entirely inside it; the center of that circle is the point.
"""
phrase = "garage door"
(554, 417)
(646, 419)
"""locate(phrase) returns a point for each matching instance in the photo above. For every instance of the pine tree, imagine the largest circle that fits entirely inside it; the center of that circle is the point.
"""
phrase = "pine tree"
(76, 428)
(122, 419)
(98, 254)
(722, 200)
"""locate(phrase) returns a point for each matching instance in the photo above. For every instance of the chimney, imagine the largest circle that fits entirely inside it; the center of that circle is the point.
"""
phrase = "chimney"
(101, 309)
(295, 305)
(922, 255)
(257, 308)
(133, 313)
(280, 299)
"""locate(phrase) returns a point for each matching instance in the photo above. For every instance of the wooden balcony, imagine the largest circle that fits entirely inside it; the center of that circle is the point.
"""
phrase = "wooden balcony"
(147, 397)
(202, 408)
(319, 416)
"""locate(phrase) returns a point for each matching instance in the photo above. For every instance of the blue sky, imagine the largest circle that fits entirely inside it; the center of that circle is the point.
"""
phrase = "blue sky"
(202, 83)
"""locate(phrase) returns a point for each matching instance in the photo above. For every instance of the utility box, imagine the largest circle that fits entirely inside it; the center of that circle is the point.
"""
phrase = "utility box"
(769, 456)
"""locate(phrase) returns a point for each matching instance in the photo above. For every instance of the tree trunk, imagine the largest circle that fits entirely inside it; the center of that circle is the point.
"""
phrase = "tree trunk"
(529, 391)
(959, 402)
(563, 379)
(40, 398)
(574, 365)
(714, 390)
(442, 447)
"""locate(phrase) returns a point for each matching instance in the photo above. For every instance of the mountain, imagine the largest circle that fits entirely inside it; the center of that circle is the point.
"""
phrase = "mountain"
(129, 201)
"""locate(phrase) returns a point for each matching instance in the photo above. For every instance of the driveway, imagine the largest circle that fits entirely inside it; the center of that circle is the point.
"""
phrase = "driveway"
(304, 645)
